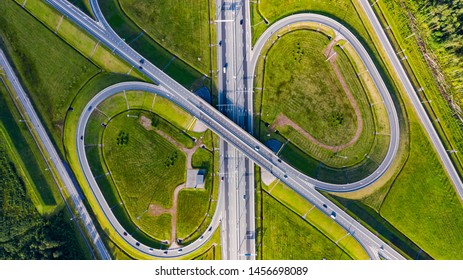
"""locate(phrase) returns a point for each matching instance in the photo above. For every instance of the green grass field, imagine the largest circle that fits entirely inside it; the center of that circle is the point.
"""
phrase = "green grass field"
(284, 93)
(144, 166)
(149, 48)
(191, 211)
(30, 163)
(306, 89)
(51, 70)
(286, 236)
(194, 205)
(428, 210)
(272, 10)
(185, 27)
(421, 217)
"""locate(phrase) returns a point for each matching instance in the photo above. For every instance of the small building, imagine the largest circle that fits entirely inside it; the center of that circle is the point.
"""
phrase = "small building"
(195, 179)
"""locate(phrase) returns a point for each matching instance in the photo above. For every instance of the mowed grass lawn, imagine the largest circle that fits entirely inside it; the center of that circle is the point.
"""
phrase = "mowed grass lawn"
(145, 167)
(51, 70)
(423, 204)
(180, 26)
(286, 236)
(302, 85)
(153, 50)
(193, 204)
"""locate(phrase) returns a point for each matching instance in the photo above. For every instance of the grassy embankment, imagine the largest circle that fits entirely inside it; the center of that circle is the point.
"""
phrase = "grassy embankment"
(307, 233)
(52, 71)
(391, 14)
(148, 40)
(29, 162)
(185, 27)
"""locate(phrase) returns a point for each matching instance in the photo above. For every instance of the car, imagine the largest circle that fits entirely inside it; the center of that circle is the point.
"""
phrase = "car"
(151, 250)
(244, 197)
(202, 236)
(179, 250)
(165, 252)
(81, 137)
(220, 43)
(324, 205)
(142, 61)
(241, 21)
(286, 176)
(333, 215)
(138, 243)
(257, 148)
(210, 228)
(141, 68)
(221, 178)
(125, 233)
(279, 160)
(90, 108)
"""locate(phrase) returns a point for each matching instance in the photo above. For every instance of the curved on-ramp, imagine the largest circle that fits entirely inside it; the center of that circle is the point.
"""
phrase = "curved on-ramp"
(345, 33)
(80, 142)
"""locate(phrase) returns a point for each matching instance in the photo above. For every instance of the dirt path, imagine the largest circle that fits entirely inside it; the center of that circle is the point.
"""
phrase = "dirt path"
(146, 123)
(155, 209)
(282, 120)
(331, 54)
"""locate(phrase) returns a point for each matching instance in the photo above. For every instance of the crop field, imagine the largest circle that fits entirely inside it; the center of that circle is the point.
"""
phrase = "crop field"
(153, 51)
(184, 27)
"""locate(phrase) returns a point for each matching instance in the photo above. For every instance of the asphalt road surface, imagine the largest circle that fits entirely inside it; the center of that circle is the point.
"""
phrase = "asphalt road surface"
(237, 171)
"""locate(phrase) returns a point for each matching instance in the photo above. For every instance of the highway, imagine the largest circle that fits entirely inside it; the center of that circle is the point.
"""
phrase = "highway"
(55, 160)
(237, 171)
(241, 140)
(419, 109)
